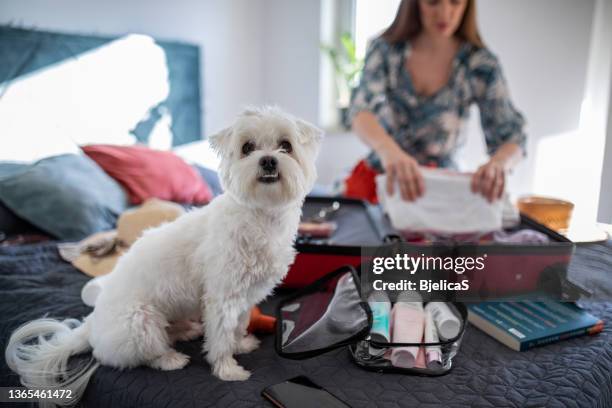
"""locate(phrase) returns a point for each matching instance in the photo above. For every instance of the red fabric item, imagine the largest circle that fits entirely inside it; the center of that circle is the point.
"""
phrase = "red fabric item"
(146, 173)
(361, 183)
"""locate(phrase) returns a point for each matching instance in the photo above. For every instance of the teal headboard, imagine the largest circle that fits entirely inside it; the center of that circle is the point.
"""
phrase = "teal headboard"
(24, 51)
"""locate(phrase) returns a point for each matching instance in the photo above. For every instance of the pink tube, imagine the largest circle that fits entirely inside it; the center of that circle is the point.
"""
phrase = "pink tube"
(408, 326)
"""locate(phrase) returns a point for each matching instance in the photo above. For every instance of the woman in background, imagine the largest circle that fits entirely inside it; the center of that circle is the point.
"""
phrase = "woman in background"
(419, 80)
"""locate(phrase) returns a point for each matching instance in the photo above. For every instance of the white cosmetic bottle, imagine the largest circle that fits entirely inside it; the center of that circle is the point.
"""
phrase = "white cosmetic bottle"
(446, 321)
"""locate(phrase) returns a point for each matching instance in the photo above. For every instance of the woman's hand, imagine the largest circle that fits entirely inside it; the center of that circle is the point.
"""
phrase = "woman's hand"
(398, 165)
(401, 167)
(490, 179)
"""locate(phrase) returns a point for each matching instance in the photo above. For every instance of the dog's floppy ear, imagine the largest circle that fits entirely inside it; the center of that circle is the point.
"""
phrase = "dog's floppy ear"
(309, 133)
(219, 142)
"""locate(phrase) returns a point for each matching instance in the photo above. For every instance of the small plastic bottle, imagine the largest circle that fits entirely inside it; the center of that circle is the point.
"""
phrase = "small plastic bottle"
(381, 318)
(433, 355)
(408, 325)
(447, 322)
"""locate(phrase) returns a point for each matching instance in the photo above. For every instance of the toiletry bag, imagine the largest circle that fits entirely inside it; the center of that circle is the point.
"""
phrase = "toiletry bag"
(330, 313)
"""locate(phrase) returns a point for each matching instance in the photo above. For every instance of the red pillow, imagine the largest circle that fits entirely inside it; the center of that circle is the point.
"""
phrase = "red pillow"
(147, 173)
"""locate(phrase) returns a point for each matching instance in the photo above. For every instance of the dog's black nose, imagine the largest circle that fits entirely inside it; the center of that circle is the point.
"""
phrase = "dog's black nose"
(268, 163)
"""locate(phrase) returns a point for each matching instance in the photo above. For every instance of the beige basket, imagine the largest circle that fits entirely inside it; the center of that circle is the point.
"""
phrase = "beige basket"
(552, 212)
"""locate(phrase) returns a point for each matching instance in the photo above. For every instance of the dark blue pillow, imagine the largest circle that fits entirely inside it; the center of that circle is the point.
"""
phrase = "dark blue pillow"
(11, 224)
(211, 178)
(67, 196)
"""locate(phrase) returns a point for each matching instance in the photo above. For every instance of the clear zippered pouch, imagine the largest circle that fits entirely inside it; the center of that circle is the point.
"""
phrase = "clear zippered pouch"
(331, 313)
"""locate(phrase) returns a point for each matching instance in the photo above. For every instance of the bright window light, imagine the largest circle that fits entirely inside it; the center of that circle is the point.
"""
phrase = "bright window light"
(95, 97)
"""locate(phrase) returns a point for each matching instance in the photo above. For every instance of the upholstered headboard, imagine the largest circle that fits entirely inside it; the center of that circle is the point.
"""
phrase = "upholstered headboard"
(26, 53)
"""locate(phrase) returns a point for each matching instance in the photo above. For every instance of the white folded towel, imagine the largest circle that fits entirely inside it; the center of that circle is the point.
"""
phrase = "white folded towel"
(448, 206)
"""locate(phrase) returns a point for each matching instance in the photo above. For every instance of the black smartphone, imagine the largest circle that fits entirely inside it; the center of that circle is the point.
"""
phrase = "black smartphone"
(301, 392)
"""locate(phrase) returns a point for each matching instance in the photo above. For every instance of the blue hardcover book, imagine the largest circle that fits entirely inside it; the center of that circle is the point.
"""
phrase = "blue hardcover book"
(522, 325)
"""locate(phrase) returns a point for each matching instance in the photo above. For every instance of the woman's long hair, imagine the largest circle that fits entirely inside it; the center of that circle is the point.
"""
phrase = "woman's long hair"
(407, 24)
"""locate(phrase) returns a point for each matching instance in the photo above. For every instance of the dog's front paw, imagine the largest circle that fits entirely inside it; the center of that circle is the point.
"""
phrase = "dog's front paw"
(247, 344)
(229, 370)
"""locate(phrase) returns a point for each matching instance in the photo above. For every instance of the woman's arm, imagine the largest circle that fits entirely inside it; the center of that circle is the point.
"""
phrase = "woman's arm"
(369, 97)
(509, 155)
(398, 164)
(501, 123)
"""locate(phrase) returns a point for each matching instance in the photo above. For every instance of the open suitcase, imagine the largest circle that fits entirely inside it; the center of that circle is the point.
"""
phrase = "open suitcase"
(518, 268)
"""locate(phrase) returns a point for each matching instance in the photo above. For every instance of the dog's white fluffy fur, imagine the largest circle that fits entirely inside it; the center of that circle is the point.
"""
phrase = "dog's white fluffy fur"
(216, 262)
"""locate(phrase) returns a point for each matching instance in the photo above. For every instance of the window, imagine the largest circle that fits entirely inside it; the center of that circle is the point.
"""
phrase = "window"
(363, 19)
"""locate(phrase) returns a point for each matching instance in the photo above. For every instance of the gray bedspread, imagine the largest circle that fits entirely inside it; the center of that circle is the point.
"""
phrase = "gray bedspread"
(574, 373)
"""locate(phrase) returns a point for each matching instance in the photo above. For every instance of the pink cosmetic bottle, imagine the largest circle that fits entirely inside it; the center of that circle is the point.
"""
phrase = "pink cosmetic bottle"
(408, 326)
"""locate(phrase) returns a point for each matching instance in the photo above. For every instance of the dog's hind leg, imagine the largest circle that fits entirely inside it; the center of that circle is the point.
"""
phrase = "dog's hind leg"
(147, 327)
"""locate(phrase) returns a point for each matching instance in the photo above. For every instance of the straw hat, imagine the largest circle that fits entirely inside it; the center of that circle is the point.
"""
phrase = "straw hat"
(97, 254)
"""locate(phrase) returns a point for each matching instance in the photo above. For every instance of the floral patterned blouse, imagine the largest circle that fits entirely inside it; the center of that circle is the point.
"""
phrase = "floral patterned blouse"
(428, 127)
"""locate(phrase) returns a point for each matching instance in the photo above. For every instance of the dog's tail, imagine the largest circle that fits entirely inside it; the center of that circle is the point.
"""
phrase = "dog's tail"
(44, 363)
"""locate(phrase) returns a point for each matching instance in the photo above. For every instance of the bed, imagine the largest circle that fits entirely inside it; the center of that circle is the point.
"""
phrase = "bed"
(577, 373)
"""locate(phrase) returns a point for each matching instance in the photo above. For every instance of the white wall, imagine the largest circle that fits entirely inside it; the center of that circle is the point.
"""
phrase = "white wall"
(544, 49)
(229, 32)
(290, 56)
(604, 53)
(569, 165)
(605, 198)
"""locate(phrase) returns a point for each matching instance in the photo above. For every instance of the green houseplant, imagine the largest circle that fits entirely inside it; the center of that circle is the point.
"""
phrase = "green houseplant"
(347, 69)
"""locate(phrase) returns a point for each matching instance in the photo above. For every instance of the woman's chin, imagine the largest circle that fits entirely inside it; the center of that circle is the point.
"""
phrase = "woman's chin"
(437, 33)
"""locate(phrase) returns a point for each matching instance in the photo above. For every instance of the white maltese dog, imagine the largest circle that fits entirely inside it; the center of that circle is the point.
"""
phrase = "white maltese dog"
(216, 262)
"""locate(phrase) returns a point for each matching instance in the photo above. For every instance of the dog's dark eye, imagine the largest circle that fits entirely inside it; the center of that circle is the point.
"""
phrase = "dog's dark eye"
(286, 146)
(248, 148)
